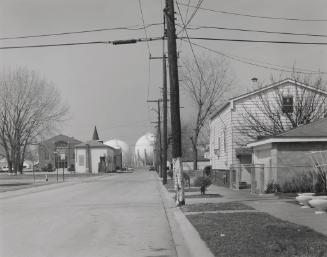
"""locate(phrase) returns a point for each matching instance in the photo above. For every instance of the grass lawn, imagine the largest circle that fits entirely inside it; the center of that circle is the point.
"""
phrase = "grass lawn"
(216, 207)
(257, 235)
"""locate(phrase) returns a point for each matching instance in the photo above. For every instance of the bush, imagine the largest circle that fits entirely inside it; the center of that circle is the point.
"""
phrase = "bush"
(49, 167)
(200, 181)
(71, 167)
(207, 171)
(300, 183)
(272, 187)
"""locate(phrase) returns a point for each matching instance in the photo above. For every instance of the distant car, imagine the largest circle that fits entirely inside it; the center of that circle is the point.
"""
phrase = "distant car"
(152, 168)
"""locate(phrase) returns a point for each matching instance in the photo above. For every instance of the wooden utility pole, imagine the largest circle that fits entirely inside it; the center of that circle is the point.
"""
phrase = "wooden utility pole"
(174, 103)
(159, 148)
(165, 139)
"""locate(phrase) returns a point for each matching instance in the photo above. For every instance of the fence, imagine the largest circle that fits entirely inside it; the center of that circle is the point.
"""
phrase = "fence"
(258, 176)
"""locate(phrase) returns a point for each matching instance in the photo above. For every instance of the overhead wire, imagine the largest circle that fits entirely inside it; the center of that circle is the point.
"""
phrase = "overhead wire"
(255, 16)
(132, 27)
(252, 62)
(149, 63)
(199, 27)
(105, 42)
(255, 41)
(186, 23)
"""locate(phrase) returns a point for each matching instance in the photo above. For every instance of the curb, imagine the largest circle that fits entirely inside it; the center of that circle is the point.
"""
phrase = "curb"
(186, 238)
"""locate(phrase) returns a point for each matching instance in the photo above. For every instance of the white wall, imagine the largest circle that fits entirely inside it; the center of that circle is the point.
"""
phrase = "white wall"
(96, 153)
(80, 167)
(222, 158)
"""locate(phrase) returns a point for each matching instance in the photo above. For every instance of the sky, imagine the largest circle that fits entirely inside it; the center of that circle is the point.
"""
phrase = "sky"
(108, 86)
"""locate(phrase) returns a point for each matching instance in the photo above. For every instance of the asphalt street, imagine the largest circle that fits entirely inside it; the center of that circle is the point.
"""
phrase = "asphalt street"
(116, 216)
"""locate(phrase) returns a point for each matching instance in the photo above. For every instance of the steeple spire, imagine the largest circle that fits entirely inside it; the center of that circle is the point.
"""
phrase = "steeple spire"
(95, 134)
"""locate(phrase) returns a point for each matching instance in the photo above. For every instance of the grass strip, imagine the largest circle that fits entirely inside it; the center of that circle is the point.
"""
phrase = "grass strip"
(257, 235)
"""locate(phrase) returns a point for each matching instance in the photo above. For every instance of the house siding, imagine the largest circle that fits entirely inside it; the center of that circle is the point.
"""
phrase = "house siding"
(231, 118)
(218, 127)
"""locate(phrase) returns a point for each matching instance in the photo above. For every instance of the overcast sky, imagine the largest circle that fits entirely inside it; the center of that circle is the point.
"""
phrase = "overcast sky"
(108, 86)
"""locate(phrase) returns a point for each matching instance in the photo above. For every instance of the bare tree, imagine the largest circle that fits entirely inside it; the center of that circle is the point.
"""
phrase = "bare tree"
(205, 80)
(29, 108)
(276, 112)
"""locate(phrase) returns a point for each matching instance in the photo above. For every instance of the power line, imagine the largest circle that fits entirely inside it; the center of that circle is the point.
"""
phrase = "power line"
(113, 42)
(258, 31)
(191, 16)
(146, 33)
(132, 27)
(256, 41)
(256, 16)
(252, 62)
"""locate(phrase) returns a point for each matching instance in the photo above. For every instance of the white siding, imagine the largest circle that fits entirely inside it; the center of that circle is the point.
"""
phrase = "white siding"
(220, 158)
(230, 118)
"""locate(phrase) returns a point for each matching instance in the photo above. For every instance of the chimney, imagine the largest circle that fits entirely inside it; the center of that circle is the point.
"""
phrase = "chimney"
(254, 82)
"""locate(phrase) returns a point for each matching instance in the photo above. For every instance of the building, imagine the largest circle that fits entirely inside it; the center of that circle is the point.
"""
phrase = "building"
(94, 157)
(285, 155)
(228, 145)
(57, 151)
(126, 152)
(144, 150)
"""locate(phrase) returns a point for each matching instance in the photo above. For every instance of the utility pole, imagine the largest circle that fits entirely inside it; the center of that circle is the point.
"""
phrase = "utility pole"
(159, 150)
(164, 140)
(174, 103)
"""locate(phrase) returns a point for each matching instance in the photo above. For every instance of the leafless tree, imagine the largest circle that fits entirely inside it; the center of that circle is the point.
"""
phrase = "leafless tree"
(272, 115)
(206, 80)
(29, 108)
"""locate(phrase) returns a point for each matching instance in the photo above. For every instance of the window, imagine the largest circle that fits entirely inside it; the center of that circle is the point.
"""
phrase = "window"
(225, 143)
(287, 104)
(81, 160)
(217, 148)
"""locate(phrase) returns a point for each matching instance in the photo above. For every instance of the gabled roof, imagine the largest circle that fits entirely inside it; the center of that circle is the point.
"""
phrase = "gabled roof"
(93, 144)
(260, 90)
(277, 84)
(61, 137)
(312, 132)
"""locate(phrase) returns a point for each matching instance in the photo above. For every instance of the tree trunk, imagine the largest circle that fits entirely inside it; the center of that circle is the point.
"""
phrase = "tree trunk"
(195, 158)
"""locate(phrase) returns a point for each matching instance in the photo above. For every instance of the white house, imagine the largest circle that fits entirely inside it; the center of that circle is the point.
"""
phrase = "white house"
(228, 146)
(94, 157)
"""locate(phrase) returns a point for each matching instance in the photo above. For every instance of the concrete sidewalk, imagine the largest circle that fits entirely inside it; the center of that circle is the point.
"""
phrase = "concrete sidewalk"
(284, 209)
(186, 238)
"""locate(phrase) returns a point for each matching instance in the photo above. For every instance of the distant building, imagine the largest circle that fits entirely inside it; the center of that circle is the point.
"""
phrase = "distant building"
(93, 156)
(144, 150)
(58, 151)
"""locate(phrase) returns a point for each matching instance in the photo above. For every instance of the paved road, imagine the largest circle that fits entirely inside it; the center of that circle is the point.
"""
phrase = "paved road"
(121, 215)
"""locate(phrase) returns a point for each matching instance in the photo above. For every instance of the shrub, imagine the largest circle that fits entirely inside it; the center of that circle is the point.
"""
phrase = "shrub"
(207, 171)
(272, 187)
(300, 183)
(200, 181)
(71, 167)
(49, 167)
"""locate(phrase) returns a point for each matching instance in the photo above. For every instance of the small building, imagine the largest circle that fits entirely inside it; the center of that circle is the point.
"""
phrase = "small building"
(284, 156)
(93, 156)
(57, 151)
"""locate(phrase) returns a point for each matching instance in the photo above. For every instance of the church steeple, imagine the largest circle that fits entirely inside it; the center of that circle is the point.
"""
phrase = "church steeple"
(95, 134)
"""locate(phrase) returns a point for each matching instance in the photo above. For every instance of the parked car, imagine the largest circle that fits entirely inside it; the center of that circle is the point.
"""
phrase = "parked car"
(152, 168)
